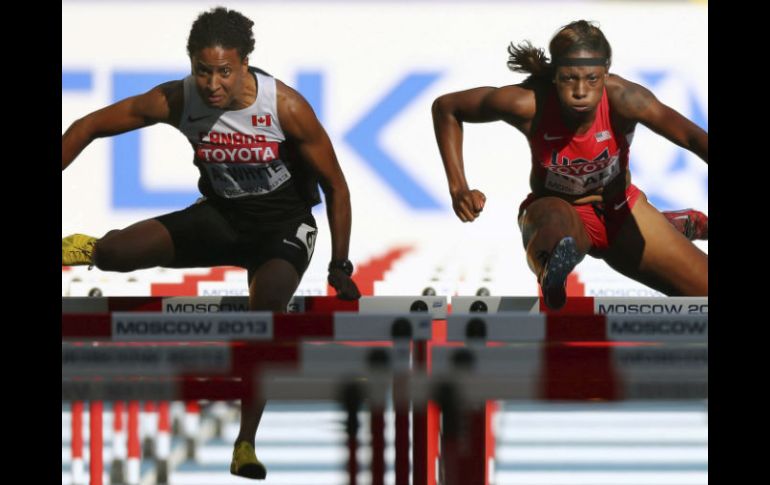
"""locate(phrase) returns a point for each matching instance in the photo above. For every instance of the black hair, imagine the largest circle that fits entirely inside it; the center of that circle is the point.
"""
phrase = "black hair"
(221, 27)
(573, 37)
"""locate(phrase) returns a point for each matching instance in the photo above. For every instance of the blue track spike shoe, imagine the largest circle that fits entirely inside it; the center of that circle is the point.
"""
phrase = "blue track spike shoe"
(245, 463)
(77, 250)
(690, 222)
(563, 259)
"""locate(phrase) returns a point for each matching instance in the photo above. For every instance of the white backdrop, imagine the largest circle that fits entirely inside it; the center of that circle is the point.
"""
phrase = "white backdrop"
(372, 69)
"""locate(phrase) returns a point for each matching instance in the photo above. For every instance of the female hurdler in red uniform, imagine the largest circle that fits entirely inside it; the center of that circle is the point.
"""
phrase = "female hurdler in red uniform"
(579, 121)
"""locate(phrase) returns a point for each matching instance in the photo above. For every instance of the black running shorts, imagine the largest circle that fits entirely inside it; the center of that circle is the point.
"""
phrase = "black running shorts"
(205, 234)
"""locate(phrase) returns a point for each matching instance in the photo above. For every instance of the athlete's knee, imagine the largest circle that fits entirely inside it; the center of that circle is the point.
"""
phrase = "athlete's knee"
(692, 274)
(268, 303)
(550, 212)
(702, 285)
(270, 296)
(108, 256)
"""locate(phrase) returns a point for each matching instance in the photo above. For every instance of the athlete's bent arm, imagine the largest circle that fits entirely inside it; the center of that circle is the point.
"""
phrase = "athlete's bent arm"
(636, 103)
(301, 125)
(512, 104)
(160, 104)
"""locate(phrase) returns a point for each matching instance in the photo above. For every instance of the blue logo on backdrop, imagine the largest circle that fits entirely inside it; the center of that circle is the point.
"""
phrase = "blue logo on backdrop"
(128, 192)
(695, 112)
(363, 138)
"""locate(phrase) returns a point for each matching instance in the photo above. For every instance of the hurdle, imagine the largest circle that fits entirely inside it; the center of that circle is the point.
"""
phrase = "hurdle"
(574, 346)
(583, 305)
(107, 328)
(464, 383)
(79, 325)
(119, 362)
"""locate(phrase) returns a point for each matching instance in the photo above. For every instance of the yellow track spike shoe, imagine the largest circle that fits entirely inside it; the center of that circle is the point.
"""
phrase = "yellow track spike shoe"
(77, 250)
(245, 463)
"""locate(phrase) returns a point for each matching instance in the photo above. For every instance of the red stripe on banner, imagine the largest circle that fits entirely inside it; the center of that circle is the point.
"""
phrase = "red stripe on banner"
(329, 304)
(574, 286)
(291, 326)
(373, 270)
(86, 325)
(189, 285)
(564, 328)
(576, 305)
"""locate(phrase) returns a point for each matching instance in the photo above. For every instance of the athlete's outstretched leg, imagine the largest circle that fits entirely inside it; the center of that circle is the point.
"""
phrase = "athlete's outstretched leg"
(145, 244)
(142, 245)
(650, 250)
(555, 241)
(271, 288)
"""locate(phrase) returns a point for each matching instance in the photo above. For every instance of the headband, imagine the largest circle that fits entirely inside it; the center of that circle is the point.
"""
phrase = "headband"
(579, 61)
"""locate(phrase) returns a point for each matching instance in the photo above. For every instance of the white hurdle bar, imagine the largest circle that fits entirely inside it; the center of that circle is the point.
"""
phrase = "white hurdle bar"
(586, 305)
(527, 327)
(436, 306)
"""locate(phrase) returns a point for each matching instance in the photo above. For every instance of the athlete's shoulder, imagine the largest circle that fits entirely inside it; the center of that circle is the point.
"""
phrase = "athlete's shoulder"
(521, 91)
(289, 98)
(174, 94)
(298, 119)
(517, 99)
(627, 98)
(173, 91)
(617, 85)
(163, 103)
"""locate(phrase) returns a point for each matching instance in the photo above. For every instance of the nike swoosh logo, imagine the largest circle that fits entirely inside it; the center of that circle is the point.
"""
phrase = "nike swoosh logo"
(549, 138)
(293, 244)
(620, 204)
(193, 120)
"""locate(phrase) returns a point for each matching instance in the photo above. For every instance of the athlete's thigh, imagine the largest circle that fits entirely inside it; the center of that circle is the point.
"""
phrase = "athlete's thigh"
(649, 249)
(272, 285)
(144, 244)
(277, 263)
(202, 235)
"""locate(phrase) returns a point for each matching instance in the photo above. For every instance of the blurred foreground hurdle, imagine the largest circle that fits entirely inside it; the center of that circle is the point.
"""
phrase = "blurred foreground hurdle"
(563, 345)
